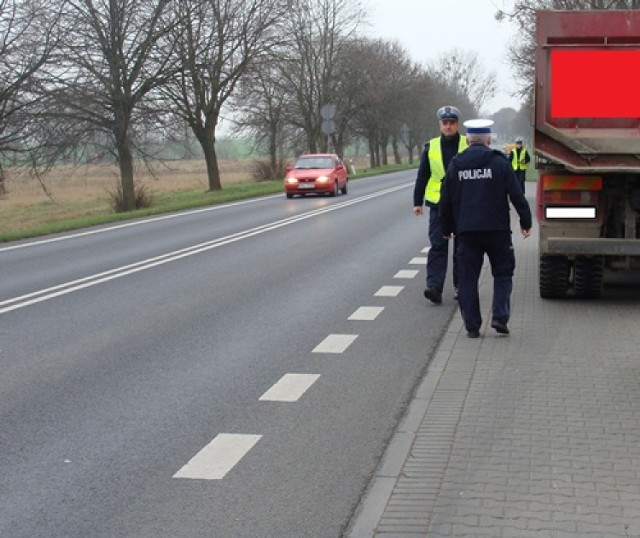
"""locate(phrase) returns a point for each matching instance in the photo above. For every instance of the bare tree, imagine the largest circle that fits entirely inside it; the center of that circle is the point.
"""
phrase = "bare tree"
(319, 31)
(463, 72)
(420, 104)
(384, 74)
(217, 41)
(260, 106)
(98, 85)
(511, 123)
(28, 35)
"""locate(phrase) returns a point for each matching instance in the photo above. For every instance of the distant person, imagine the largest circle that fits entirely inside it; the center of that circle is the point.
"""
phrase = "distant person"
(519, 160)
(475, 207)
(436, 156)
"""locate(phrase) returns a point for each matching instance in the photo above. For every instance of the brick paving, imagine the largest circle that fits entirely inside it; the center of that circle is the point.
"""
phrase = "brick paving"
(534, 434)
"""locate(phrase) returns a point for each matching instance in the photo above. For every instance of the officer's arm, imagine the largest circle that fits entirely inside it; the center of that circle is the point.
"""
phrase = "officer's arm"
(424, 172)
(518, 200)
(444, 205)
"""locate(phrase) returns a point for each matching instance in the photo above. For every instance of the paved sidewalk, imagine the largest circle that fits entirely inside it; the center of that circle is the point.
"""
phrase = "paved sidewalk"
(532, 435)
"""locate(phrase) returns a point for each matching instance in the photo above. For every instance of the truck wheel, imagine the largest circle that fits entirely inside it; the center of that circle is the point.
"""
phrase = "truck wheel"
(554, 276)
(587, 276)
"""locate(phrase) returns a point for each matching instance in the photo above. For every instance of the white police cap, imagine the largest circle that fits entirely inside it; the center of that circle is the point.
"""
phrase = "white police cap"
(478, 126)
(519, 139)
(448, 112)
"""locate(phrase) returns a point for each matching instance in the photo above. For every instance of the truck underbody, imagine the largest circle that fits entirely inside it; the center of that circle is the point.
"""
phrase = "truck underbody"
(574, 253)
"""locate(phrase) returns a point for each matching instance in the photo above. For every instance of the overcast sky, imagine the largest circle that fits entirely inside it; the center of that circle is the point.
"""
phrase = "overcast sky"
(429, 28)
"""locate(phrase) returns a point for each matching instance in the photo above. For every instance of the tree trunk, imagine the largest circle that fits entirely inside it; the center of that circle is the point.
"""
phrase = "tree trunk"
(211, 159)
(396, 155)
(372, 152)
(3, 190)
(273, 153)
(125, 162)
(338, 145)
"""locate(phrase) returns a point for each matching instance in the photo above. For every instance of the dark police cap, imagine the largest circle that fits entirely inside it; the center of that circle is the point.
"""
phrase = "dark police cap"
(448, 112)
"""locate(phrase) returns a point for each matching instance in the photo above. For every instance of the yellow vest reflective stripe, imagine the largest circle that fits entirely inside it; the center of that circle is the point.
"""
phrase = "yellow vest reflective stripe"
(432, 192)
(515, 163)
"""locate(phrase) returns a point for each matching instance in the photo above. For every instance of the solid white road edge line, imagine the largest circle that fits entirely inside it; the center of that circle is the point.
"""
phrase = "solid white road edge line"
(112, 274)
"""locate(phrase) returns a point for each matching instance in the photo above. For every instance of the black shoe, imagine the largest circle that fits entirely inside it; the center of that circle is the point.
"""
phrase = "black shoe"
(434, 295)
(500, 327)
(473, 334)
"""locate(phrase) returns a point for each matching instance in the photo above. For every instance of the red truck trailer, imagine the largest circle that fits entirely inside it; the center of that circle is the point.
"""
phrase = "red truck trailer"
(587, 146)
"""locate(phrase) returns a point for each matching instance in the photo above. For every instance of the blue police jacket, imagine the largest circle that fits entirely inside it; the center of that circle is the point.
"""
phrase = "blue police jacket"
(476, 192)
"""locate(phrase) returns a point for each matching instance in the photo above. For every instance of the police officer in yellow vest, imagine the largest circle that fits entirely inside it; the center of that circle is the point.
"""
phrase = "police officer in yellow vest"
(519, 160)
(437, 154)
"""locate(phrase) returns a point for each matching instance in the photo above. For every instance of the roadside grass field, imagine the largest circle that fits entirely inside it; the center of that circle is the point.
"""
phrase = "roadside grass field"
(74, 197)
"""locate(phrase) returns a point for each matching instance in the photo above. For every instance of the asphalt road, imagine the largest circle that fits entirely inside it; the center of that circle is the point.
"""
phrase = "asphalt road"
(199, 374)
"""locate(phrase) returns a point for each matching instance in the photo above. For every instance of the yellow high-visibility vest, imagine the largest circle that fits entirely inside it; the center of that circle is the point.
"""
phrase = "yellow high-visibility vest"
(432, 192)
(515, 162)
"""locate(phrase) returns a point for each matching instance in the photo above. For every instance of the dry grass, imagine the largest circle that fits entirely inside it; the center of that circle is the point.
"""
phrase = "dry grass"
(72, 192)
(73, 184)
(77, 192)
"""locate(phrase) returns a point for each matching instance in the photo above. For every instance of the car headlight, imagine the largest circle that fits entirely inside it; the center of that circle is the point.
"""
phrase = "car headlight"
(291, 180)
(323, 179)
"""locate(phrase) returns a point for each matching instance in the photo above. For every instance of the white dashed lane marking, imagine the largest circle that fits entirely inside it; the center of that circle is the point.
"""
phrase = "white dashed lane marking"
(406, 273)
(425, 250)
(216, 459)
(418, 261)
(389, 291)
(290, 388)
(335, 343)
(366, 313)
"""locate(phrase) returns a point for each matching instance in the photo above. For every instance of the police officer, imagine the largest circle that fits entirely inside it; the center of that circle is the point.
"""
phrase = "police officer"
(519, 160)
(436, 156)
(475, 207)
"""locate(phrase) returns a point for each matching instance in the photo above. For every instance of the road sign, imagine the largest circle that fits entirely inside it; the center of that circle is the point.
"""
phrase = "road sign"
(327, 111)
(328, 127)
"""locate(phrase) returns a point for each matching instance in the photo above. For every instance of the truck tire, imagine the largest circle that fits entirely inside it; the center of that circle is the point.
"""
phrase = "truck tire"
(587, 276)
(554, 276)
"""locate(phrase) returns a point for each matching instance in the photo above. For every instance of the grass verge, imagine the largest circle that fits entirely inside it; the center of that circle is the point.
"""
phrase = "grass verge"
(49, 217)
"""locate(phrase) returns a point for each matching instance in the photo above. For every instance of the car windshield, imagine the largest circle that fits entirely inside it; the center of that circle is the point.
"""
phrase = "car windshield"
(314, 162)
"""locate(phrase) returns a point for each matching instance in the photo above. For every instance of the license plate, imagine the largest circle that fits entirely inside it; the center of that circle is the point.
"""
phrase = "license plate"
(306, 185)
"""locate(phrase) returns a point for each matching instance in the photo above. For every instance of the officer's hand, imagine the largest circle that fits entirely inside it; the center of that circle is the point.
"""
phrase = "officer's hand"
(525, 233)
(448, 236)
(417, 210)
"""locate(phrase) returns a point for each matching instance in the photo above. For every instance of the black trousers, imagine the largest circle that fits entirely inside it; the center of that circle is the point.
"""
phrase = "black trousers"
(471, 250)
(521, 177)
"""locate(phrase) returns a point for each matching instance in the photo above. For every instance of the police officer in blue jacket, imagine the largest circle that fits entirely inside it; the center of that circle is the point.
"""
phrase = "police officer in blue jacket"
(474, 205)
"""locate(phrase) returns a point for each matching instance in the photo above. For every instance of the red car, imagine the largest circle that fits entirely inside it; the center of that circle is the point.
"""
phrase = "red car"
(320, 173)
